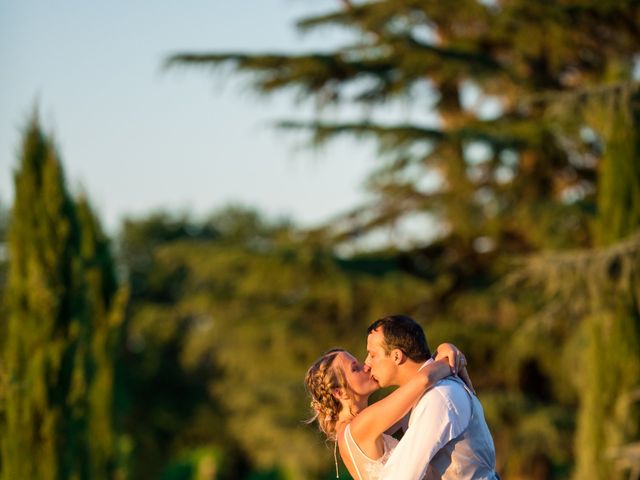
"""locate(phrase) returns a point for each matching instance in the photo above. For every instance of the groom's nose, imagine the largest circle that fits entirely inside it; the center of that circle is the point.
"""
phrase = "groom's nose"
(366, 367)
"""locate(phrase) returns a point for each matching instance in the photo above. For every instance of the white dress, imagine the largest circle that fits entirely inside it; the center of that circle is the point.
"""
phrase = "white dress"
(368, 468)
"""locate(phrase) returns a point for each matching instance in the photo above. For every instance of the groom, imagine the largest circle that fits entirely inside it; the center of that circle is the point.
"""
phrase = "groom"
(447, 437)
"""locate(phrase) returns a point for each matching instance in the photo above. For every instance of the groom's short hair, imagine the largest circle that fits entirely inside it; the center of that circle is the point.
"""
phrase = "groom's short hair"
(403, 333)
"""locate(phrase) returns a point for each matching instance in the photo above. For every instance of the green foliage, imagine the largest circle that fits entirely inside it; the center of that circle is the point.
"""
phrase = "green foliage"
(252, 309)
(168, 409)
(617, 118)
(42, 354)
(61, 317)
(610, 418)
(105, 307)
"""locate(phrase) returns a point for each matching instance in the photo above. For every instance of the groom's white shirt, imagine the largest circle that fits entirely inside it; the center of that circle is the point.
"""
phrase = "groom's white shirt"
(441, 414)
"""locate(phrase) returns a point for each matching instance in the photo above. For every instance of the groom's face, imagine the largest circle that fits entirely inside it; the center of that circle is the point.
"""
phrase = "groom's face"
(381, 364)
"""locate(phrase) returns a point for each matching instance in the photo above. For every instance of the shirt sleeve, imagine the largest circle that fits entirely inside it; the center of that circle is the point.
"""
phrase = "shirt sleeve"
(440, 415)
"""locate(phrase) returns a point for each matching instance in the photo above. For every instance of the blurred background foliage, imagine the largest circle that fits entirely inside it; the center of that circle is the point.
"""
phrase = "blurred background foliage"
(177, 349)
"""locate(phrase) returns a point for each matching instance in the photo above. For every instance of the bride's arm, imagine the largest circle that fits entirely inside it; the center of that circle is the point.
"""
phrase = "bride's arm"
(379, 416)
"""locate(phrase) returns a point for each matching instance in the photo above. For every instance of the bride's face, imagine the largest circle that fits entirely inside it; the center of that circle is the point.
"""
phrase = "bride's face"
(359, 380)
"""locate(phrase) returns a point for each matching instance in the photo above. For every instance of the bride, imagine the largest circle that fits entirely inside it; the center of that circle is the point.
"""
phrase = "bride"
(340, 387)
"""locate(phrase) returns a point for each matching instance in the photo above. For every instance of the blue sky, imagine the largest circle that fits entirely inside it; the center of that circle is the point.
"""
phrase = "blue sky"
(138, 138)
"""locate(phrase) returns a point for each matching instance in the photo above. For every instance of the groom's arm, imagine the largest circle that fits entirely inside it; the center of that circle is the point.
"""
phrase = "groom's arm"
(441, 415)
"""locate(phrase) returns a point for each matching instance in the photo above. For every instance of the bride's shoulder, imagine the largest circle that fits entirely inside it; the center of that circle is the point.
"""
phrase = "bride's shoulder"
(340, 429)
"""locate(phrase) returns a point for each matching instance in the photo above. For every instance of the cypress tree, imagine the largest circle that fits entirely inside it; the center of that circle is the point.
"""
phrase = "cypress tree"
(44, 326)
(609, 418)
(63, 315)
(105, 305)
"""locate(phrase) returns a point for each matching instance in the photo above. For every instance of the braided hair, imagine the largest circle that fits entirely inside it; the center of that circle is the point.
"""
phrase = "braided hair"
(321, 380)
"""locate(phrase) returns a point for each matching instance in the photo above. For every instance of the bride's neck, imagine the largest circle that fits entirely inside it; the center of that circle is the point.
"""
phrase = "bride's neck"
(352, 408)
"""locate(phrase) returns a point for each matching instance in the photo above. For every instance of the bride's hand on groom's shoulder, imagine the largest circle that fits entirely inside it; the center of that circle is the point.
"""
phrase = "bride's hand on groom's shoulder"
(454, 356)
(456, 360)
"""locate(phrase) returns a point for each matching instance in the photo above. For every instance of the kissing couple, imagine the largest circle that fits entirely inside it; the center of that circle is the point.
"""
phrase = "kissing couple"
(445, 433)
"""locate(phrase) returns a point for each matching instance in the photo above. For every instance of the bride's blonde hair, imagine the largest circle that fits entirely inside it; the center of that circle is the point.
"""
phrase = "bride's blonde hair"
(322, 379)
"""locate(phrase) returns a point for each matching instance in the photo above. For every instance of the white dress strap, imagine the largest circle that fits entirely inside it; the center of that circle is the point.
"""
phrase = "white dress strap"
(348, 439)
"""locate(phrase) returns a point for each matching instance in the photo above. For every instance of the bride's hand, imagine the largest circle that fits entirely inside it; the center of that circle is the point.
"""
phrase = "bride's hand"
(457, 361)
(454, 356)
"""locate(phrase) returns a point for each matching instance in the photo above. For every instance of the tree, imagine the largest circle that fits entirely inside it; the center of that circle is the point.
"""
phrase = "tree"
(169, 413)
(506, 51)
(55, 361)
(105, 306)
(603, 278)
(520, 177)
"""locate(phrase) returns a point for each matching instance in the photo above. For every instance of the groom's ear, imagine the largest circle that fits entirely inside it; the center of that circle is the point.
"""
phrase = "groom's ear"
(398, 356)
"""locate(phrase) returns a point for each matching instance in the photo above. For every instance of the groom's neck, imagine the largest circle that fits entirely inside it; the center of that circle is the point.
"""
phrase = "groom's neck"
(407, 371)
